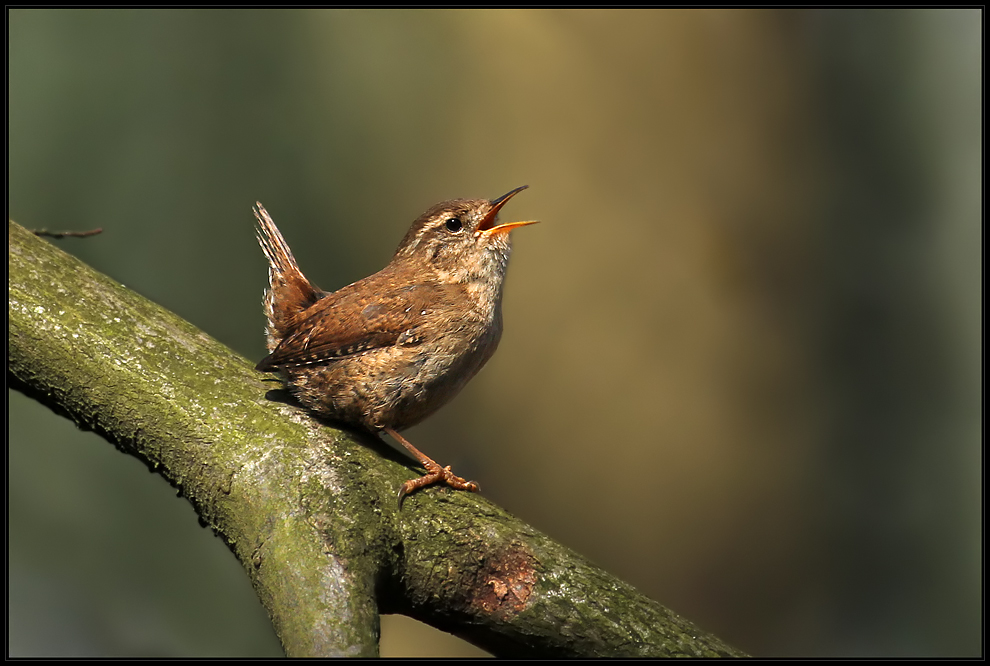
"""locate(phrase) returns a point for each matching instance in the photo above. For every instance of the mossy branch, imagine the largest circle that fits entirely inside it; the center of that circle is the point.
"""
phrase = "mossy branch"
(310, 511)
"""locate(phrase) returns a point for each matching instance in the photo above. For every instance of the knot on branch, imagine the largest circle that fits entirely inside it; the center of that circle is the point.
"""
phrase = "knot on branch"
(504, 582)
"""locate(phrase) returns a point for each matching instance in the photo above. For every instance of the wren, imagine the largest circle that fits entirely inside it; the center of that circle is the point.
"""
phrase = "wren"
(387, 351)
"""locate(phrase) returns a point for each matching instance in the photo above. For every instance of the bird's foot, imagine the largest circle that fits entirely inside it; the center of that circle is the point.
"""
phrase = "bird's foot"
(436, 474)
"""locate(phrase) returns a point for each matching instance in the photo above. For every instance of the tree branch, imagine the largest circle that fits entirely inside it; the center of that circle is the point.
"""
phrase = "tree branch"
(309, 510)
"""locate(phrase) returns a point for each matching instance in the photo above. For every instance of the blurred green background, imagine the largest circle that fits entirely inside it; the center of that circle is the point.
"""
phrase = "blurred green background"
(741, 366)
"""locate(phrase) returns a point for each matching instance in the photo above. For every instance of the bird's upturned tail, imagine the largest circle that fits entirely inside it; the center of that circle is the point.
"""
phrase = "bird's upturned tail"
(289, 292)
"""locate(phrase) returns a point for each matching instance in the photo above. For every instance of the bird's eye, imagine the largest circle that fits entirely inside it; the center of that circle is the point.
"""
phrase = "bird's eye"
(453, 224)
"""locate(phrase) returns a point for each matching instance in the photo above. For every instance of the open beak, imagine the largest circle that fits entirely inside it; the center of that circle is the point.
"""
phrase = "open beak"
(486, 224)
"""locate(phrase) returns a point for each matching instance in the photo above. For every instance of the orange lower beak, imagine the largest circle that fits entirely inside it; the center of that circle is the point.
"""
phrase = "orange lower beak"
(507, 227)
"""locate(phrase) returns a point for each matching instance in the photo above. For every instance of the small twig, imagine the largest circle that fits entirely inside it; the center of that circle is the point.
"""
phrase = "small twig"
(63, 234)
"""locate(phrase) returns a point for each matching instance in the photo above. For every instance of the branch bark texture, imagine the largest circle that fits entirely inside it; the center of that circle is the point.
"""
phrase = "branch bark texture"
(309, 510)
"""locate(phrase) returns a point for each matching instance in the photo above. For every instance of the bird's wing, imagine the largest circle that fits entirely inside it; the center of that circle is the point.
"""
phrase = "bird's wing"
(372, 313)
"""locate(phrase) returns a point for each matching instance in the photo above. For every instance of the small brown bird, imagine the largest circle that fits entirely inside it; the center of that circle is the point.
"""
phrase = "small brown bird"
(387, 351)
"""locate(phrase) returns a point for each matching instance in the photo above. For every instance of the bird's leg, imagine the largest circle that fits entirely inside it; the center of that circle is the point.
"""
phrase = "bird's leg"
(434, 472)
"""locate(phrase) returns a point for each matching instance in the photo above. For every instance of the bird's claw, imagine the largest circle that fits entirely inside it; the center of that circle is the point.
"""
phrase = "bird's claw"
(438, 475)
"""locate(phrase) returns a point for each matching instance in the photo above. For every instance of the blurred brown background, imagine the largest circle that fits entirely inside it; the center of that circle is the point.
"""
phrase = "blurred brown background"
(742, 360)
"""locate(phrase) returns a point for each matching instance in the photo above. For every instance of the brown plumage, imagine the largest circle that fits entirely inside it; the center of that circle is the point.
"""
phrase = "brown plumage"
(387, 351)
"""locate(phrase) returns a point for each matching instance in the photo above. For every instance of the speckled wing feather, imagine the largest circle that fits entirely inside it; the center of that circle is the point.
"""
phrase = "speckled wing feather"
(372, 313)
